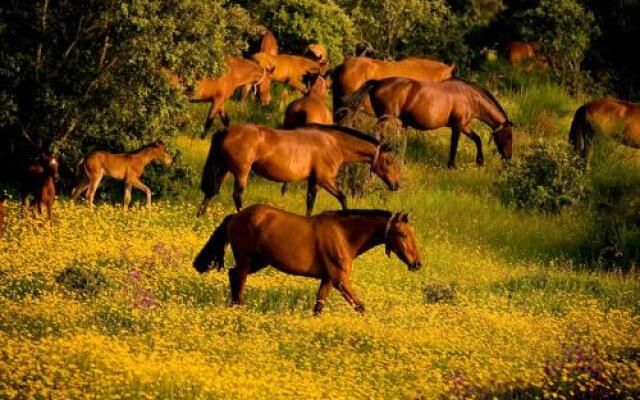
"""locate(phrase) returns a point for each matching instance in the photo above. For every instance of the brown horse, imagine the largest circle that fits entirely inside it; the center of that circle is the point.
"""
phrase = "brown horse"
(127, 167)
(322, 247)
(313, 153)
(355, 71)
(289, 69)
(239, 72)
(453, 103)
(309, 109)
(38, 181)
(609, 117)
(520, 53)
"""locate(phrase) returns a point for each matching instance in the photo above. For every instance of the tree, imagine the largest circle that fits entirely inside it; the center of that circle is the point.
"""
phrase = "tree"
(75, 76)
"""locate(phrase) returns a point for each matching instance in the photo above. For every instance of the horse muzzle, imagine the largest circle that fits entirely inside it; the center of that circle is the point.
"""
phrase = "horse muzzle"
(393, 186)
(415, 266)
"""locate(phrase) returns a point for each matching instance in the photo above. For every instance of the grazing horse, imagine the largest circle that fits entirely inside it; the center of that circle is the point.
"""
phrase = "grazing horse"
(127, 167)
(355, 71)
(322, 247)
(309, 109)
(421, 105)
(609, 117)
(38, 181)
(313, 153)
(217, 91)
(290, 69)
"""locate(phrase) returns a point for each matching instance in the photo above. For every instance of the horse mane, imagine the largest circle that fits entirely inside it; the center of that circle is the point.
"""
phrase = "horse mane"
(146, 146)
(487, 94)
(349, 131)
(354, 213)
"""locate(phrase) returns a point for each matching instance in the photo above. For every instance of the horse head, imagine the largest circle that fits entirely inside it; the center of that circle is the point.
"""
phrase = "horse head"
(400, 239)
(386, 167)
(161, 152)
(503, 136)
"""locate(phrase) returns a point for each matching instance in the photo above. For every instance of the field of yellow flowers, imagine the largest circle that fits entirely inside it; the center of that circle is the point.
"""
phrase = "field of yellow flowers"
(107, 305)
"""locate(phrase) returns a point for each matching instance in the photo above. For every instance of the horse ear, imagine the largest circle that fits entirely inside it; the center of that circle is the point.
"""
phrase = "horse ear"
(405, 217)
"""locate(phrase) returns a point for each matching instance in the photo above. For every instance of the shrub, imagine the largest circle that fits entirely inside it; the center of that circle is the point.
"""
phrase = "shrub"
(614, 202)
(547, 178)
(82, 281)
(436, 292)
(297, 23)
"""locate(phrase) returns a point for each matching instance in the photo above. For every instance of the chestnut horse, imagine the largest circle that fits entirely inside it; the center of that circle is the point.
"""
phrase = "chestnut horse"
(309, 109)
(290, 69)
(127, 167)
(520, 53)
(322, 247)
(609, 117)
(313, 153)
(355, 71)
(38, 181)
(453, 103)
(217, 91)
(269, 45)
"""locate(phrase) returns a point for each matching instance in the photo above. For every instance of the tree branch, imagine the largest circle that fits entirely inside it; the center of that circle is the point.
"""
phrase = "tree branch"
(74, 41)
(43, 27)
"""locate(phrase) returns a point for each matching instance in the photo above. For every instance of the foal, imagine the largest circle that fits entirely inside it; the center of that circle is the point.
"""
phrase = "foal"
(127, 167)
(322, 247)
(38, 181)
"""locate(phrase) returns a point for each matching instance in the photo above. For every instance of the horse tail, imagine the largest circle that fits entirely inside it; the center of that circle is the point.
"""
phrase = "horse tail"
(336, 89)
(213, 251)
(215, 169)
(580, 130)
(352, 101)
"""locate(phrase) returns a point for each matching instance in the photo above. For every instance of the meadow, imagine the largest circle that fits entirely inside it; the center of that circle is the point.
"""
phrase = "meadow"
(107, 305)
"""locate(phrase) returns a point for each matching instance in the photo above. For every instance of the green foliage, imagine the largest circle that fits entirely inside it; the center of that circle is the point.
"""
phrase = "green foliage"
(547, 178)
(540, 107)
(297, 23)
(77, 78)
(402, 28)
(564, 28)
(614, 232)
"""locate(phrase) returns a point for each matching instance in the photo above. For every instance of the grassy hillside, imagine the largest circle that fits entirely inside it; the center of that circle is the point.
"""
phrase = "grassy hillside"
(105, 304)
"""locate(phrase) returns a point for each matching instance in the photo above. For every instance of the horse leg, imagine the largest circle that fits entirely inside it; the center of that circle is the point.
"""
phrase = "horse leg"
(237, 280)
(239, 183)
(93, 186)
(321, 298)
(137, 183)
(476, 139)
(283, 190)
(127, 196)
(344, 286)
(209, 121)
(298, 84)
(78, 190)
(312, 190)
(224, 117)
(455, 136)
(334, 190)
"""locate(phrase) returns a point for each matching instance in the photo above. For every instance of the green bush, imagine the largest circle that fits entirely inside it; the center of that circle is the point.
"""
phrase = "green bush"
(297, 23)
(547, 178)
(614, 202)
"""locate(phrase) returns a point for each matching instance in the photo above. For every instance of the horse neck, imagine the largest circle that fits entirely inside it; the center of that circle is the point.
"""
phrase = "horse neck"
(147, 155)
(489, 113)
(356, 150)
(363, 233)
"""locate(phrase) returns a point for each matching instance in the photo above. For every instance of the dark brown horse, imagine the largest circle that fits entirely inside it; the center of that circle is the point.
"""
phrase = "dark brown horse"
(322, 247)
(127, 167)
(355, 71)
(313, 153)
(609, 117)
(453, 103)
(239, 72)
(38, 181)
